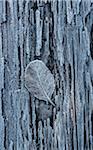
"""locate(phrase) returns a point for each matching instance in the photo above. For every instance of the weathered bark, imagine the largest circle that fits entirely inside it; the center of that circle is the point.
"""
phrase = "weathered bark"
(60, 33)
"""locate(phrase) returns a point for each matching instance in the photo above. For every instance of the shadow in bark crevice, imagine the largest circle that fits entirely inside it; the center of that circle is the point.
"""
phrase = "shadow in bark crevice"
(91, 42)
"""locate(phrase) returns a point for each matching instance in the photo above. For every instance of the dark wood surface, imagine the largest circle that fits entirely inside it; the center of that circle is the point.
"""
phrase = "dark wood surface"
(60, 33)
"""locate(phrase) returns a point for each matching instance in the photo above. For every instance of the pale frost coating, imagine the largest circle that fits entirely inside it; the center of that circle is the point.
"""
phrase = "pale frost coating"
(39, 80)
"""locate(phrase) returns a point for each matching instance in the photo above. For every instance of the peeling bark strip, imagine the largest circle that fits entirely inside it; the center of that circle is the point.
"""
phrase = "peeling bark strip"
(60, 34)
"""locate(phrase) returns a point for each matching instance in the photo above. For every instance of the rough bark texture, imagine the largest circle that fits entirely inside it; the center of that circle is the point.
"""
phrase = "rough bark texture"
(60, 33)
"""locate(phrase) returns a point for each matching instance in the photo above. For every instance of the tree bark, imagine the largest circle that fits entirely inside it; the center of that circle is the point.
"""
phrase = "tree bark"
(60, 33)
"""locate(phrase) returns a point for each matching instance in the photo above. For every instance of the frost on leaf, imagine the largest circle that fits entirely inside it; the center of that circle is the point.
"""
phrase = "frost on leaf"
(39, 80)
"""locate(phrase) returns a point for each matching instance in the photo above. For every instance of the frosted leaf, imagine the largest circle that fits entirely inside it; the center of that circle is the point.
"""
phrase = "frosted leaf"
(39, 80)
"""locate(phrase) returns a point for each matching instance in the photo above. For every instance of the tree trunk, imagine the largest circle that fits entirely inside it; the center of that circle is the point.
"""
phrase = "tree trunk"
(60, 33)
